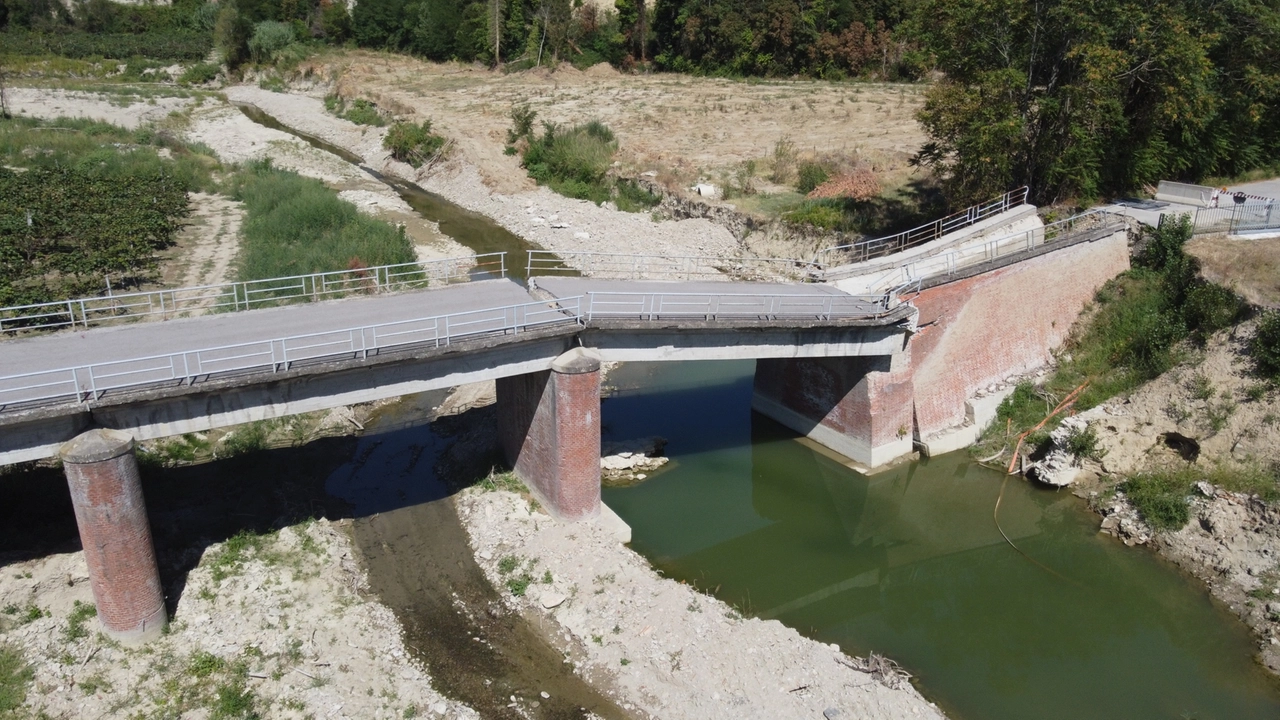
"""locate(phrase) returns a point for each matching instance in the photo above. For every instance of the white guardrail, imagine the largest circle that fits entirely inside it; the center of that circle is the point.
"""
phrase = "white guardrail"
(628, 266)
(84, 383)
(864, 250)
(234, 296)
(953, 261)
(89, 382)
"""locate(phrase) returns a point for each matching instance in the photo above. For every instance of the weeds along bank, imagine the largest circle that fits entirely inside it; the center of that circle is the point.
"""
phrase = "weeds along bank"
(1174, 433)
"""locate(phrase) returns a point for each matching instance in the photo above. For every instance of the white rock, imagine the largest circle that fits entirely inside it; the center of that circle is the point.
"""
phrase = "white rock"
(552, 599)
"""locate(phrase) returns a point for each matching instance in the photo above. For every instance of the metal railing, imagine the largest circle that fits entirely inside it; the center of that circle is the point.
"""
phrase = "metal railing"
(953, 261)
(726, 306)
(249, 294)
(89, 382)
(1244, 218)
(672, 267)
(864, 250)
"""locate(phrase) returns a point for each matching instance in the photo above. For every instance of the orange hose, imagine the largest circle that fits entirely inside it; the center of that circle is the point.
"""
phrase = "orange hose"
(1066, 402)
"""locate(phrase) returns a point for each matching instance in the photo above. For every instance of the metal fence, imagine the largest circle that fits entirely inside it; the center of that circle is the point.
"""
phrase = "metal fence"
(671, 267)
(878, 247)
(89, 382)
(1244, 218)
(727, 306)
(250, 294)
(953, 261)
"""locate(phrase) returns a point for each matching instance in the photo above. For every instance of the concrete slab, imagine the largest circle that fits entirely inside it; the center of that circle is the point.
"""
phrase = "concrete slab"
(123, 342)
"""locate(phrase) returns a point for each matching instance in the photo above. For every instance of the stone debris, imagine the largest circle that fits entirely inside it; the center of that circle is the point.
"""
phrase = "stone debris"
(623, 463)
(297, 613)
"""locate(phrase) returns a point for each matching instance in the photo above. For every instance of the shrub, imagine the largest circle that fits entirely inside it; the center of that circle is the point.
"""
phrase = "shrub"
(818, 214)
(1161, 497)
(811, 176)
(522, 117)
(363, 112)
(633, 198)
(1264, 346)
(200, 73)
(414, 144)
(269, 37)
(573, 161)
(1209, 308)
(1083, 444)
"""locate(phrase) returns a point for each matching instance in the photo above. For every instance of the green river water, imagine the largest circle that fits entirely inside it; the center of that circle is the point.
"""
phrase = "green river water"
(909, 563)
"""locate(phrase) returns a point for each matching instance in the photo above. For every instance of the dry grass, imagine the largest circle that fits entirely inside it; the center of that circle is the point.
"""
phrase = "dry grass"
(1250, 267)
(681, 126)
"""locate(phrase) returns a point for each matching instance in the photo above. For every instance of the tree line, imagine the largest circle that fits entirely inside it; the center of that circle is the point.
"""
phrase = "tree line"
(1078, 99)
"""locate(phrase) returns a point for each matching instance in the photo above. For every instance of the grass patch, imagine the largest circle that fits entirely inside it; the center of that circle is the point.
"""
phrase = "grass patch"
(1132, 333)
(1160, 496)
(15, 679)
(239, 549)
(81, 612)
(295, 225)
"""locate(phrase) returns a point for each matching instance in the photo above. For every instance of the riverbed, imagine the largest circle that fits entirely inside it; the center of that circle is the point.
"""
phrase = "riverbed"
(910, 563)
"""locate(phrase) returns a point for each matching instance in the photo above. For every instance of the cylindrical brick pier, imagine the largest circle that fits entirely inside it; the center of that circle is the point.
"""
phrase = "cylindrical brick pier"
(107, 494)
(549, 423)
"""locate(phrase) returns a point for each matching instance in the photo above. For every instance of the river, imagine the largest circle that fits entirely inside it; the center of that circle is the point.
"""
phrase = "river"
(910, 564)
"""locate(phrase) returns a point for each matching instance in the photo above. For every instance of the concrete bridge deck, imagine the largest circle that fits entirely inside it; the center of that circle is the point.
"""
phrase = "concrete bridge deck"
(194, 374)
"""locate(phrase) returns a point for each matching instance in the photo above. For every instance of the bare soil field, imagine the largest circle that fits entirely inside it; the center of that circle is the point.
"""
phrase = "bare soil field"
(1250, 267)
(681, 126)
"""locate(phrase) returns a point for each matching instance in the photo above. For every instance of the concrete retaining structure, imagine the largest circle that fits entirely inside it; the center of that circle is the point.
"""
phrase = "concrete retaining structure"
(549, 425)
(112, 516)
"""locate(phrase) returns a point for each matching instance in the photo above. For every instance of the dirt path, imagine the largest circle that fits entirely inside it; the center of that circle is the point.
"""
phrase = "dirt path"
(207, 246)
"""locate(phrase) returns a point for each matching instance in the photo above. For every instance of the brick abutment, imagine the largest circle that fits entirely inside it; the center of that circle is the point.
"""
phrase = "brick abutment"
(106, 493)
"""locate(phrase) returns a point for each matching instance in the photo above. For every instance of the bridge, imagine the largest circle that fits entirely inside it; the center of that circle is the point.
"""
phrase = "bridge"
(871, 350)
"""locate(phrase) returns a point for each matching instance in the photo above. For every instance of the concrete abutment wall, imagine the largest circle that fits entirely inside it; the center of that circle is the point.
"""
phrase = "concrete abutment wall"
(970, 333)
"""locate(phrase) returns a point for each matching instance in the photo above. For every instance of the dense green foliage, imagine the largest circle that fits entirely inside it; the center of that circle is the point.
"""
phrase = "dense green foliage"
(98, 28)
(295, 225)
(1131, 336)
(412, 143)
(1080, 99)
(1264, 346)
(829, 38)
(86, 199)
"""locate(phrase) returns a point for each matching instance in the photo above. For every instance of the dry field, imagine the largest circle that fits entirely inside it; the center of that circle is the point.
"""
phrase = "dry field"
(682, 126)
(1250, 267)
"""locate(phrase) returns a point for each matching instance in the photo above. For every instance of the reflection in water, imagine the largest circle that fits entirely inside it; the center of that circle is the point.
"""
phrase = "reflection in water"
(909, 563)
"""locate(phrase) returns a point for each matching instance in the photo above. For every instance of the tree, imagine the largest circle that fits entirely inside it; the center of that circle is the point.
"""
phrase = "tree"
(1084, 98)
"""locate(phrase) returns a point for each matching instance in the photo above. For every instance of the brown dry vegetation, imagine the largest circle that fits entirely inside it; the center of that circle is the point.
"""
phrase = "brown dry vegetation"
(684, 127)
(1250, 267)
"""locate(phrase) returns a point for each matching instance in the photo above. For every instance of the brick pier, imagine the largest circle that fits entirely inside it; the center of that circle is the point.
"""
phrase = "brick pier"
(549, 425)
(107, 495)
